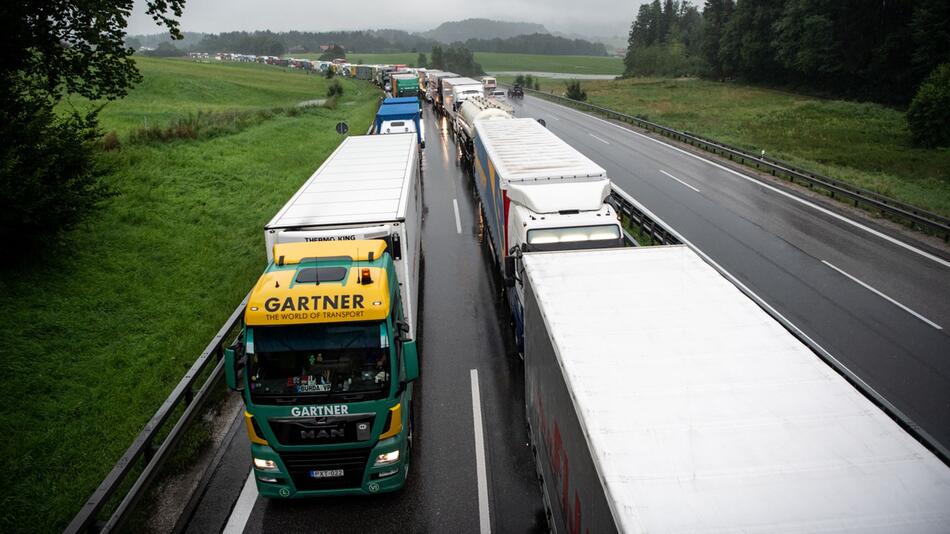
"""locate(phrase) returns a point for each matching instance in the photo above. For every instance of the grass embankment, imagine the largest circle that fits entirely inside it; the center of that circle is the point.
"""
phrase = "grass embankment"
(861, 143)
(492, 61)
(98, 331)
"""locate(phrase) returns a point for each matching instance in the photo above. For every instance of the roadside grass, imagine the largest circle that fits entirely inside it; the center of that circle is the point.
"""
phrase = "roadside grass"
(494, 61)
(101, 327)
(174, 88)
(862, 143)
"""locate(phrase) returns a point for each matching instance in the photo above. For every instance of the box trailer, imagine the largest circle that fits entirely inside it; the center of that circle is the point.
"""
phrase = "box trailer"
(405, 84)
(434, 91)
(660, 398)
(368, 188)
(538, 193)
(455, 91)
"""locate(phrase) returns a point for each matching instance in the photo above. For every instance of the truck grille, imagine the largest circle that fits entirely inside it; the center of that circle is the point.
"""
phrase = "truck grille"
(351, 461)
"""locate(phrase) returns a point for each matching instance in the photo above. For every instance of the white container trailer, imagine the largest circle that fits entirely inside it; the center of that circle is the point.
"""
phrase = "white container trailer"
(663, 399)
(368, 188)
(458, 90)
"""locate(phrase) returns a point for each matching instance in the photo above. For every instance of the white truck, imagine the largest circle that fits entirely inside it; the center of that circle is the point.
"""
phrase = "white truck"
(538, 193)
(368, 188)
(660, 398)
(489, 84)
(434, 88)
(455, 91)
(473, 109)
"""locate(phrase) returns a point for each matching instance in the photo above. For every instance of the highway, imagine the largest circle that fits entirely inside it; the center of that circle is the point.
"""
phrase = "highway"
(465, 340)
(879, 303)
(876, 302)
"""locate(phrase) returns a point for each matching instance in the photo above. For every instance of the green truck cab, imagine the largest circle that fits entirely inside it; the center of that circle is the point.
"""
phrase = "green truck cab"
(326, 372)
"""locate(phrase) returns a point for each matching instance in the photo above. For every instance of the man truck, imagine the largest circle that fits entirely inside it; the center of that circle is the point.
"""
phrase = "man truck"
(660, 398)
(538, 193)
(327, 356)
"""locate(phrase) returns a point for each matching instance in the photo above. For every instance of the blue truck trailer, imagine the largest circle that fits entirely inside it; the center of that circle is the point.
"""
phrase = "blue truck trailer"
(400, 117)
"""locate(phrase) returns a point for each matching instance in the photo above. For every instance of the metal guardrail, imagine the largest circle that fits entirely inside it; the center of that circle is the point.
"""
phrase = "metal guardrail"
(917, 218)
(664, 234)
(145, 447)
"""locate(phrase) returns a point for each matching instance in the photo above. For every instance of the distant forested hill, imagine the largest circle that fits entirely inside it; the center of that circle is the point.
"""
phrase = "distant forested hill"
(463, 30)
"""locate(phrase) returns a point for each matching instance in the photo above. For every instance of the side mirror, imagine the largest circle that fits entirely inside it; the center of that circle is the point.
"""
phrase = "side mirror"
(402, 329)
(509, 271)
(410, 358)
(232, 370)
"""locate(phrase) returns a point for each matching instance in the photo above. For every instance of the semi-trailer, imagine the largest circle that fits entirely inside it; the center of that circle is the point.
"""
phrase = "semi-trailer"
(537, 193)
(477, 108)
(401, 115)
(327, 356)
(405, 84)
(661, 398)
(455, 91)
(363, 72)
(435, 87)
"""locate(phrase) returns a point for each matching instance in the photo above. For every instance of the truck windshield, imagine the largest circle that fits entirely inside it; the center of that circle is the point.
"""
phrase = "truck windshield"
(545, 236)
(319, 360)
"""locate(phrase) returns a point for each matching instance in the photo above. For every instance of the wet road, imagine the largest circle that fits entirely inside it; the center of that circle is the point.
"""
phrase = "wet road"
(463, 328)
(880, 305)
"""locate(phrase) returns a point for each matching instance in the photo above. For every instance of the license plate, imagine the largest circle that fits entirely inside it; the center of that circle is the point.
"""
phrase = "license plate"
(326, 473)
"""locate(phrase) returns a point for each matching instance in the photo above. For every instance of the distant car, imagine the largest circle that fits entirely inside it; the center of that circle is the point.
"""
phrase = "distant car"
(499, 95)
(516, 91)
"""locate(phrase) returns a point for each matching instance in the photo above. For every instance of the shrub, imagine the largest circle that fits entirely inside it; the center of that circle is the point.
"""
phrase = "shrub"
(575, 92)
(330, 72)
(48, 172)
(929, 114)
(335, 89)
(110, 141)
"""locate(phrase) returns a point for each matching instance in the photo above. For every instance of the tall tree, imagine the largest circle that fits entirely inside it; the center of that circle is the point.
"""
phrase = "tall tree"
(438, 58)
(53, 49)
(716, 14)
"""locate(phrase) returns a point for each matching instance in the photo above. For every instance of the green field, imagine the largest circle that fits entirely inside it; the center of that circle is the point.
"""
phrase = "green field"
(492, 62)
(102, 327)
(865, 144)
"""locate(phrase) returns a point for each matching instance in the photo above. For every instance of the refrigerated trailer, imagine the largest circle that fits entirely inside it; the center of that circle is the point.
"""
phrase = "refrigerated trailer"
(660, 398)
(368, 188)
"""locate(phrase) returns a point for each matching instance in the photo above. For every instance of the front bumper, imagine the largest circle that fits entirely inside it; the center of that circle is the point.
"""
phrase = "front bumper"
(291, 480)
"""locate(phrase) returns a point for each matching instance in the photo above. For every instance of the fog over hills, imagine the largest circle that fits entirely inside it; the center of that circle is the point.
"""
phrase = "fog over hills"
(463, 30)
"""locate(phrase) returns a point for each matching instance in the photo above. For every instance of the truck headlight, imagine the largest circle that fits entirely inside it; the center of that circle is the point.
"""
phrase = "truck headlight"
(387, 458)
(265, 465)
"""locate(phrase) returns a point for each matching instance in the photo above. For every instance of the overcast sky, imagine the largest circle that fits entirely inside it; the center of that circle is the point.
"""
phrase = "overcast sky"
(587, 17)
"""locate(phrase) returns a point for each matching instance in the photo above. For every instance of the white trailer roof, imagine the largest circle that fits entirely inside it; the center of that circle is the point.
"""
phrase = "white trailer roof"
(524, 151)
(703, 414)
(366, 179)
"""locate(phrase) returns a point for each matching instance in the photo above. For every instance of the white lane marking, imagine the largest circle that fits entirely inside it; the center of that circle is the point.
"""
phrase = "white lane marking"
(759, 300)
(597, 138)
(243, 507)
(830, 213)
(458, 221)
(885, 297)
(484, 519)
(680, 181)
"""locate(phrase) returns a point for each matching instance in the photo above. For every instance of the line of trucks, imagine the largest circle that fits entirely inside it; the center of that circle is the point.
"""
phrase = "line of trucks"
(659, 397)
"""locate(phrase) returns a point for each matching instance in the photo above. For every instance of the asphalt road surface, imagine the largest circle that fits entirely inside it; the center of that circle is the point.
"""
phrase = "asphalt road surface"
(464, 338)
(879, 303)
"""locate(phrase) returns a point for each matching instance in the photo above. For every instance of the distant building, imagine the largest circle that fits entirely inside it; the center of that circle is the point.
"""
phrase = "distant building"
(296, 49)
(620, 52)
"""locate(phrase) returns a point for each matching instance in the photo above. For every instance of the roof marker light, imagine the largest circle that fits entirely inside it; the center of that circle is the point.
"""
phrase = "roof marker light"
(364, 276)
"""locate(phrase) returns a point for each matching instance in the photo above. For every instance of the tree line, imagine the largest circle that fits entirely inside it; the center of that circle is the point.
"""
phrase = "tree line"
(267, 43)
(879, 51)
